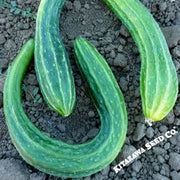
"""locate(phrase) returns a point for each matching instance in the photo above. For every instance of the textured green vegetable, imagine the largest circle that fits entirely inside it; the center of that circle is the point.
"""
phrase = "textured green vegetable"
(159, 84)
(52, 64)
(56, 157)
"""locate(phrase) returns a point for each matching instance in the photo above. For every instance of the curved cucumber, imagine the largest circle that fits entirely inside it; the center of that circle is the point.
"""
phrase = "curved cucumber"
(159, 84)
(52, 64)
(56, 157)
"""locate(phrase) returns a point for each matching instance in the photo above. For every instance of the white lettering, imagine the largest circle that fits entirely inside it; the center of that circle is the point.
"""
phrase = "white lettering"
(117, 168)
(161, 138)
(143, 150)
(167, 134)
(173, 132)
(148, 146)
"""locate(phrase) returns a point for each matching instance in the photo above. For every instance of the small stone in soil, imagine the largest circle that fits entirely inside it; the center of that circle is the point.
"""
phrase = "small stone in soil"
(139, 132)
(175, 175)
(93, 132)
(120, 60)
(91, 114)
(13, 169)
(136, 166)
(174, 161)
(159, 177)
(150, 132)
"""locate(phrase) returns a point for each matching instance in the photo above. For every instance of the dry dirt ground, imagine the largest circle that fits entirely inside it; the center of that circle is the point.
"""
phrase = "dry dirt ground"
(93, 20)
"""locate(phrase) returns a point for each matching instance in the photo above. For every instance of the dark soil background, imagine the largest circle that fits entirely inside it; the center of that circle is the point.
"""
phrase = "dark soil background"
(92, 20)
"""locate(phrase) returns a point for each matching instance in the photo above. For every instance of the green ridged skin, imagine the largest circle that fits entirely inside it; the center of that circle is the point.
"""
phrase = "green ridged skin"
(56, 157)
(159, 83)
(52, 63)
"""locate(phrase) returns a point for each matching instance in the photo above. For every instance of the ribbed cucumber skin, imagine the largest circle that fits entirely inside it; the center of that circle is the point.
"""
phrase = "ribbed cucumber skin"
(159, 83)
(52, 63)
(56, 157)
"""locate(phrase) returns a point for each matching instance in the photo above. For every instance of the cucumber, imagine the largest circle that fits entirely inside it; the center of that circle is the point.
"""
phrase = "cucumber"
(56, 157)
(52, 63)
(158, 79)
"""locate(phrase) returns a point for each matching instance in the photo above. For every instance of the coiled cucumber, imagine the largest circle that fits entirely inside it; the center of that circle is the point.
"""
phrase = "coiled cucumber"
(56, 157)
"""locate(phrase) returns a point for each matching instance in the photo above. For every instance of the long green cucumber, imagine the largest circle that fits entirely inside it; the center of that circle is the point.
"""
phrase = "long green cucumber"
(52, 64)
(56, 157)
(159, 84)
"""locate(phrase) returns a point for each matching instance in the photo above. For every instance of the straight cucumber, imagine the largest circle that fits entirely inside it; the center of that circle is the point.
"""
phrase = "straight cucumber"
(52, 64)
(159, 83)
